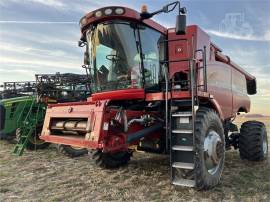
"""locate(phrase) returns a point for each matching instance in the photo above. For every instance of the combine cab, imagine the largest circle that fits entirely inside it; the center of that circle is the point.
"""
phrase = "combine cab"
(163, 90)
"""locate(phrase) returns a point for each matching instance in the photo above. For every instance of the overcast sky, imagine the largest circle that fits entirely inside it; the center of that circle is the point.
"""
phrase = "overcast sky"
(40, 36)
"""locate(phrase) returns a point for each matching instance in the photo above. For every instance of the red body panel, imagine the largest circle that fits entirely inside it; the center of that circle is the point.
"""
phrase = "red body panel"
(128, 94)
(92, 111)
(180, 47)
(226, 100)
(98, 136)
(129, 14)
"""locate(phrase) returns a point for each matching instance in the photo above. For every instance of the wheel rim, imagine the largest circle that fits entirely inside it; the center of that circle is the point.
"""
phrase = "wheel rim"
(265, 148)
(213, 151)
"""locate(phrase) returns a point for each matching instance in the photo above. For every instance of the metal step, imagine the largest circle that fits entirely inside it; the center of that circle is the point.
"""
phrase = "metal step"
(183, 165)
(182, 114)
(182, 148)
(182, 131)
(18, 149)
(184, 182)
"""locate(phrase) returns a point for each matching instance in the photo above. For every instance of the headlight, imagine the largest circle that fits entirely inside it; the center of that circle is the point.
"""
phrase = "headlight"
(119, 11)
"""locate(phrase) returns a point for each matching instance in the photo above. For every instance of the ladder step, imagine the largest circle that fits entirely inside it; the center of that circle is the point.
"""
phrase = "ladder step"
(182, 131)
(182, 148)
(18, 150)
(184, 182)
(183, 165)
(182, 114)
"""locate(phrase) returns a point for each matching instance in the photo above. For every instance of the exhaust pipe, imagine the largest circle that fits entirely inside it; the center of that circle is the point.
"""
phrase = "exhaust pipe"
(142, 133)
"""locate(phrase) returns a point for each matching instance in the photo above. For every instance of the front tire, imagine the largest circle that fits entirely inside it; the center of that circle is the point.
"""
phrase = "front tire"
(253, 143)
(108, 160)
(209, 149)
(70, 151)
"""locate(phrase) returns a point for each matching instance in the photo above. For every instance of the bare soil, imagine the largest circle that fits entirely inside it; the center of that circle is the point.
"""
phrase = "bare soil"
(49, 176)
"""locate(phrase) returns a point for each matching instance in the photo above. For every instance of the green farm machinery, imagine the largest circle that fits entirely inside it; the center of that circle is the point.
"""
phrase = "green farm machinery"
(22, 117)
(16, 99)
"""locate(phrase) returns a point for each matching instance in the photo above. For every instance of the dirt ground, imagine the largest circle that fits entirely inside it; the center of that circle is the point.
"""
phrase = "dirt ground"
(48, 176)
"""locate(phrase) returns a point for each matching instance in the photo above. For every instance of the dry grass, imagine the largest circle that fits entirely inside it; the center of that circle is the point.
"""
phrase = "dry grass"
(47, 176)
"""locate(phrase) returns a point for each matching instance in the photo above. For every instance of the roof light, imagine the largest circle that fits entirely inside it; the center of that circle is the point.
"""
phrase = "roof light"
(83, 22)
(119, 11)
(144, 9)
(98, 14)
(108, 11)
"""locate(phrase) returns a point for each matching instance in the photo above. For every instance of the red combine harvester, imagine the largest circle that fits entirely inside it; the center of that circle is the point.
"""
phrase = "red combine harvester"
(163, 90)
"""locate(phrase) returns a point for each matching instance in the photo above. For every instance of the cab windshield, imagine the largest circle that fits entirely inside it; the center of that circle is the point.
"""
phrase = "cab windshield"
(123, 55)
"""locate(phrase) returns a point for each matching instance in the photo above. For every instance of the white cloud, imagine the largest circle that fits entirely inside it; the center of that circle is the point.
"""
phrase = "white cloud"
(79, 6)
(30, 50)
(49, 2)
(16, 75)
(267, 35)
(67, 39)
(52, 3)
(36, 22)
(54, 63)
(16, 68)
(18, 71)
(265, 38)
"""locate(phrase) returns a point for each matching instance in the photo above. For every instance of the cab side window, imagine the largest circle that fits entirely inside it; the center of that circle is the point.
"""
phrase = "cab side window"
(153, 51)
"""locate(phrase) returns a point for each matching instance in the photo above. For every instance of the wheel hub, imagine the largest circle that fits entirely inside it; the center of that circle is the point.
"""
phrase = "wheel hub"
(213, 151)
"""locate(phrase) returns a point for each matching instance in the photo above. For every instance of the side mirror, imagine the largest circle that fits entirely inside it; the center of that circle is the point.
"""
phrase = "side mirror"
(180, 27)
(165, 9)
(170, 7)
(86, 58)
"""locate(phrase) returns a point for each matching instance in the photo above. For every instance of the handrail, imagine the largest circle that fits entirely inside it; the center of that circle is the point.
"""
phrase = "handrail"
(193, 80)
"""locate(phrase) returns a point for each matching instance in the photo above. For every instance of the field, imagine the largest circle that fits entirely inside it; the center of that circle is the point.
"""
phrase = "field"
(48, 176)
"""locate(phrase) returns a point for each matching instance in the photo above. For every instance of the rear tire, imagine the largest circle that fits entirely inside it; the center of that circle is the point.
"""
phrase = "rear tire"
(70, 151)
(253, 144)
(108, 160)
(209, 149)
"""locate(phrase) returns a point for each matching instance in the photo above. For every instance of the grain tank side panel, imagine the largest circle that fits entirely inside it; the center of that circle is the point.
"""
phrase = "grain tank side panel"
(241, 101)
(219, 85)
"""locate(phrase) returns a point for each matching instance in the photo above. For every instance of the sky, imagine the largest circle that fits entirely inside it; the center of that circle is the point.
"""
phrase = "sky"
(40, 36)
